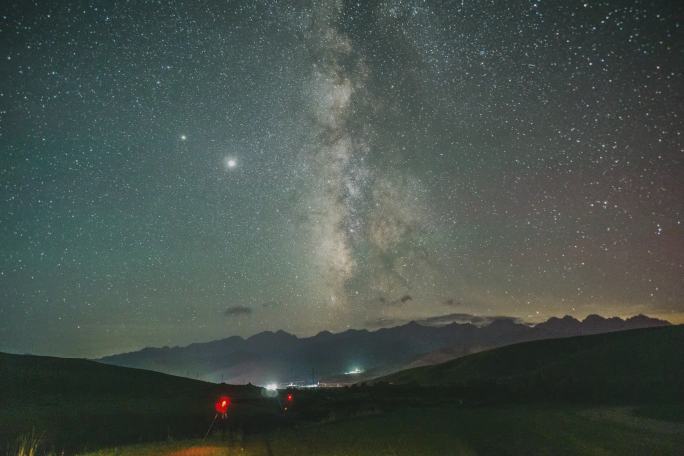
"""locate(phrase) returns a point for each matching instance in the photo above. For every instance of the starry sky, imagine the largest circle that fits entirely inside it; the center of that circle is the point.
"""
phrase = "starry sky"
(173, 171)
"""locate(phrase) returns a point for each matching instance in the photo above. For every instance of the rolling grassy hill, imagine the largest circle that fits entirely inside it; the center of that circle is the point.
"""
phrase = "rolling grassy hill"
(23, 377)
(77, 404)
(643, 365)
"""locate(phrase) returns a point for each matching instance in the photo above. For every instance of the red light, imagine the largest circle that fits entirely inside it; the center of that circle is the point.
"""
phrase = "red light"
(222, 404)
(289, 397)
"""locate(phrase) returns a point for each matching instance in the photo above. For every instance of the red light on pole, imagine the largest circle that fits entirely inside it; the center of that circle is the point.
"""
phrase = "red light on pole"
(289, 400)
(221, 405)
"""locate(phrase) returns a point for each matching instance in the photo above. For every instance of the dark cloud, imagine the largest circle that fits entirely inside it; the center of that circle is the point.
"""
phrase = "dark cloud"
(394, 302)
(237, 311)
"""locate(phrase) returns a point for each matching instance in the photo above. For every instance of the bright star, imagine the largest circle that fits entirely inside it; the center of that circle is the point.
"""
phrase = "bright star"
(230, 163)
(183, 137)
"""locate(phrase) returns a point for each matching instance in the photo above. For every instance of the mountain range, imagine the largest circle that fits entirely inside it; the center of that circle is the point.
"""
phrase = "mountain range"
(280, 357)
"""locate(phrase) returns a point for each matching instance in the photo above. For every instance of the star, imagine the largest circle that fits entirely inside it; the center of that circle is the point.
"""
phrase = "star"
(230, 163)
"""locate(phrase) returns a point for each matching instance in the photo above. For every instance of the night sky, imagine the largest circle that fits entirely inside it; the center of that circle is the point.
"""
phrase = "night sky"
(177, 171)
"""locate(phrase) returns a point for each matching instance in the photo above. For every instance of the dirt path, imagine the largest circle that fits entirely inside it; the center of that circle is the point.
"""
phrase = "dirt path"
(204, 450)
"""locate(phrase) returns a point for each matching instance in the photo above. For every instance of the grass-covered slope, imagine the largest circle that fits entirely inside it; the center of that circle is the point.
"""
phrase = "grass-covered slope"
(23, 377)
(79, 404)
(642, 365)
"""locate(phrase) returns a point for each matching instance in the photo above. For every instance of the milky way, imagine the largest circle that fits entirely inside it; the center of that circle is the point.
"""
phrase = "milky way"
(335, 155)
(181, 172)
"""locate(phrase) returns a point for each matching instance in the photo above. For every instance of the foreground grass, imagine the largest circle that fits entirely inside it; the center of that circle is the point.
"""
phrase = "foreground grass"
(552, 430)
(184, 448)
(29, 445)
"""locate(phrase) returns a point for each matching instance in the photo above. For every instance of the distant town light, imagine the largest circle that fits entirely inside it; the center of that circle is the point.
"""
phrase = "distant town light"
(272, 386)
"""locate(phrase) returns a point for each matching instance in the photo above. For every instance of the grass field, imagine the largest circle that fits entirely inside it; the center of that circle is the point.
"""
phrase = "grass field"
(441, 431)
(512, 400)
